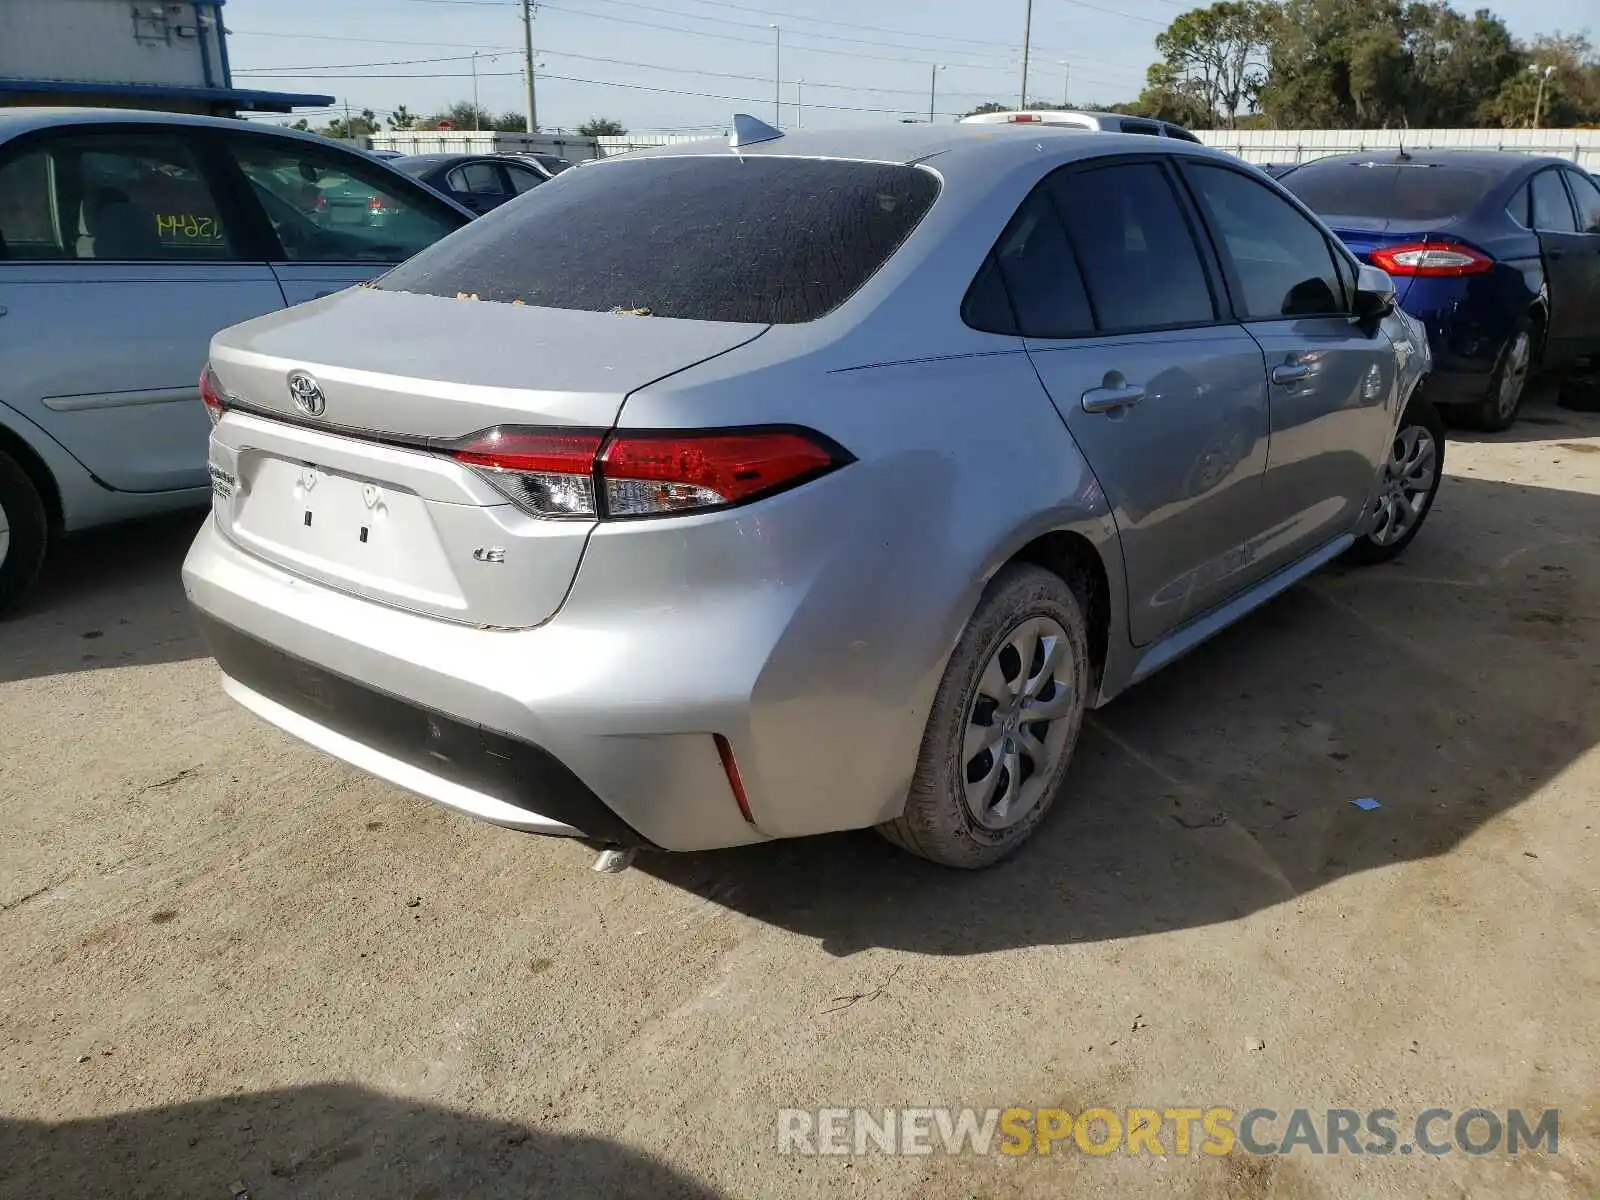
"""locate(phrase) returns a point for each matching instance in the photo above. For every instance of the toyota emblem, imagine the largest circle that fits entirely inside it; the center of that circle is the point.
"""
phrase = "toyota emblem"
(307, 394)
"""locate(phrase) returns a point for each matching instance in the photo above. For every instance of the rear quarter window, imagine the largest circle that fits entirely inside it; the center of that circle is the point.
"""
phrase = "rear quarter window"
(709, 238)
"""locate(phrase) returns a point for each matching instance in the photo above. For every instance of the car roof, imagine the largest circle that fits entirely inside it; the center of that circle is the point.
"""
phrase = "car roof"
(951, 149)
(1489, 162)
(439, 158)
(17, 121)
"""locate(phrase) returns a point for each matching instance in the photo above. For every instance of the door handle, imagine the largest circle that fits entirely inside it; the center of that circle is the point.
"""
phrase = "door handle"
(1110, 399)
(1290, 372)
(1555, 252)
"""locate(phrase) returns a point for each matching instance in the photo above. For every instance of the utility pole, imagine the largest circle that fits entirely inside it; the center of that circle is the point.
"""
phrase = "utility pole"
(1066, 84)
(933, 85)
(349, 136)
(474, 91)
(799, 105)
(527, 56)
(1027, 38)
(777, 74)
(1538, 102)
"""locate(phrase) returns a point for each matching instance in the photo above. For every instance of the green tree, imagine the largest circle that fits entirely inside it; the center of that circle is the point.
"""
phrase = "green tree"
(1214, 56)
(510, 122)
(363, 125)
(402, 118)
(1344, 63)
(601, 127)
(1170, 96)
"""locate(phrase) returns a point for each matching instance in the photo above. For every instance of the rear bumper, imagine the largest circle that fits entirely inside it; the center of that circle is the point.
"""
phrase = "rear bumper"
(520, 728)
(475, 770)
(1468, 322)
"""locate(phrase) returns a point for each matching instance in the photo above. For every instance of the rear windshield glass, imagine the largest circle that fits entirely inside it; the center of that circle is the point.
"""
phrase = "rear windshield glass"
(1415, 192)
(770, 240)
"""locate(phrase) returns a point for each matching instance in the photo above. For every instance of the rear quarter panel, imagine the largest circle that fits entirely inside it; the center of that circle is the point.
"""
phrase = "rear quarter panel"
(871, 572)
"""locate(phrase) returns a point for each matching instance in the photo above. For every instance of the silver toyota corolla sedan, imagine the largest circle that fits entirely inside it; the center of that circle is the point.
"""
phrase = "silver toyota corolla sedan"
(813, 482)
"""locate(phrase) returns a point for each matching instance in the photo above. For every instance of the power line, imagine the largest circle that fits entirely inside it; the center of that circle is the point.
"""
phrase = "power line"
(292, 72)
(766, 42)
(640, 87)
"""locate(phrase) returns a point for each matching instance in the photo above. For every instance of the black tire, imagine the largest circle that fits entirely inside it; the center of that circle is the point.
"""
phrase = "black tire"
(1376, 546)
(937, 823)
(24, 529)
(1502, 399)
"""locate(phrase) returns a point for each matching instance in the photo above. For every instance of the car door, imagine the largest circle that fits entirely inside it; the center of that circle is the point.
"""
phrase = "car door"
(120, 261)
(334, 218)
(1586, 198)
(1567, 268)
(480, 185)
(1332, 382)
(1164, 395)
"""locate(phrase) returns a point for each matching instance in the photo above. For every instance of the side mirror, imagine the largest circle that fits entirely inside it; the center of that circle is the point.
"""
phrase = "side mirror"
(1374, 293)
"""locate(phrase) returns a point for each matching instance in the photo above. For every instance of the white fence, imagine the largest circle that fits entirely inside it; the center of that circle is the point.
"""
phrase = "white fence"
(1582, 146)
(465, 141)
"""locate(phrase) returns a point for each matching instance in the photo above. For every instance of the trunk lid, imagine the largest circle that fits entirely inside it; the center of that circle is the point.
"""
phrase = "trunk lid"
(359, 492)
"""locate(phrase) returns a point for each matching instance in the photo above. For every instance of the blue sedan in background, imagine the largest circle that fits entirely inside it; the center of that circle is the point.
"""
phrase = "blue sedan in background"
(1498, 254)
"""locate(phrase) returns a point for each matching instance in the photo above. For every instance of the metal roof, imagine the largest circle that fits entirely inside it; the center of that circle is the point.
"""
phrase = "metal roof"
(240, 98)
(15, 121)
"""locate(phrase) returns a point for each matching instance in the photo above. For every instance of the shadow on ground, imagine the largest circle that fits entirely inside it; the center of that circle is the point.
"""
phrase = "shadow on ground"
(1545, 414)
(110, 597)
(1449, 686)
(323, 1140)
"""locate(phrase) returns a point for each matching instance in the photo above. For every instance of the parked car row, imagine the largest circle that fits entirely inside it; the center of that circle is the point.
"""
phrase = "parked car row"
(656, 589)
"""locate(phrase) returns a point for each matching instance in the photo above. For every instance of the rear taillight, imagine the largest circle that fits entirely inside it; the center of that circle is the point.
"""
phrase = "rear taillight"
(558, 473)
(1024, 118)
(211, 394)
(320, 203)
(375, 205)
(1431, 259)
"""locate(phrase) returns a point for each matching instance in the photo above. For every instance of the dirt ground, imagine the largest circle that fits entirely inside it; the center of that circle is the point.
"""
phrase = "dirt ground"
(228, 963)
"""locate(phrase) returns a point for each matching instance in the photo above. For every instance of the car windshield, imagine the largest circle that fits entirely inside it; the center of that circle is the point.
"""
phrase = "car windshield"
(1395, 191)
(709, 238)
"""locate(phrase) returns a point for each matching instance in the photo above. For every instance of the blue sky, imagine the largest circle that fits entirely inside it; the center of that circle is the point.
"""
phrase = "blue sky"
(861, 63)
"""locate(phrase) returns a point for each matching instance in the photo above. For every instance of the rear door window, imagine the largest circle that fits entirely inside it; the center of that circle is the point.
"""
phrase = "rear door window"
(709, 238)
(1586, 193)
(125, 197)
(480, 178)
(1282, 261)
(523, 179)
(1552, 210)
(1140, 263)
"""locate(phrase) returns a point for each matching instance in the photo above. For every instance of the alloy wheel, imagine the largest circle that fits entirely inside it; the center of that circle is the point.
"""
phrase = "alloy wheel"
(1407, 485)
(1016, 730)
(1519, 356)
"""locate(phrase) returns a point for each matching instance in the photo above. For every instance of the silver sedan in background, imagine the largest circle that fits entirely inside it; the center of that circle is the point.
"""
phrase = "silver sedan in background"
(724, 493)
(127, 239)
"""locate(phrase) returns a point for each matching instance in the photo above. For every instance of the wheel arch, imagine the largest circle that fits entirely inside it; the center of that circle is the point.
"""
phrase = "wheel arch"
(38, 473)
(1072, 556)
